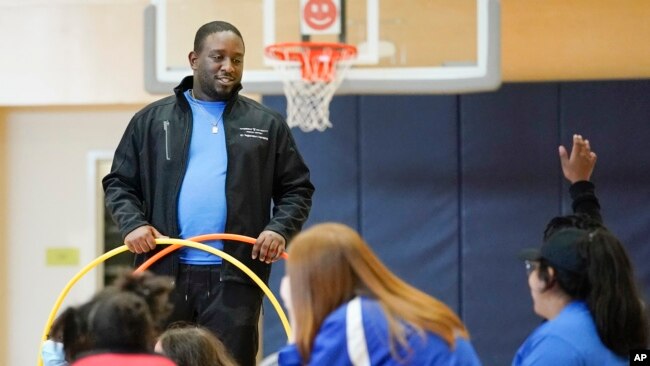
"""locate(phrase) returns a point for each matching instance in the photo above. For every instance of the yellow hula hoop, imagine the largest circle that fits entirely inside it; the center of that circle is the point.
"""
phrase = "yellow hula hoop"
(189, 243)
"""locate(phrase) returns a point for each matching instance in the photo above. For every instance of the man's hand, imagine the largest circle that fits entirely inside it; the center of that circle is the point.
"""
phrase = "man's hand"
(269, 246)
(142, 239)
(580, 164)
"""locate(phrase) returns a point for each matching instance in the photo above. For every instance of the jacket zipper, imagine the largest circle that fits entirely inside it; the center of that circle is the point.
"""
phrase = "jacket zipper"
(166, 126)
(183, 160)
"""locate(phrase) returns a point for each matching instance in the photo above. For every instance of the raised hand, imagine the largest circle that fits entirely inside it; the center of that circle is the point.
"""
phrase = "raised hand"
(579, 165)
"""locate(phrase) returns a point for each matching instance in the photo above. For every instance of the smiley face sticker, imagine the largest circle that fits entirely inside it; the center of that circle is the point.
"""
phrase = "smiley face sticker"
(320, 17)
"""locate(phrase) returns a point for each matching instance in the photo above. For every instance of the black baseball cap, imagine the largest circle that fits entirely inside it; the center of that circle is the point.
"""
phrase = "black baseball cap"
(560, 250)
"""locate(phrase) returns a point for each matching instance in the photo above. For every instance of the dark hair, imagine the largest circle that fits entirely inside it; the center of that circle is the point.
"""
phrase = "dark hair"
(121, 322)
(194, 346)
(213, 27)
(70, 328)
(608, 287)
(578, 221)
(152, 288)
(73, 327)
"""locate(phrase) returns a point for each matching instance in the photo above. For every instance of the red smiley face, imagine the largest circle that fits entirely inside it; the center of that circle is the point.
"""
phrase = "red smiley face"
(320, 14)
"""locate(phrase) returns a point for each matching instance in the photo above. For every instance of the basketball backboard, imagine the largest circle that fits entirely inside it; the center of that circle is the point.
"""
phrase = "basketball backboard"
(419, 46)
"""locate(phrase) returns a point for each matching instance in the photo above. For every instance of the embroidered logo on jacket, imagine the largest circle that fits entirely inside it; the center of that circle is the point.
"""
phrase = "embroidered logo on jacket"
(255, 133)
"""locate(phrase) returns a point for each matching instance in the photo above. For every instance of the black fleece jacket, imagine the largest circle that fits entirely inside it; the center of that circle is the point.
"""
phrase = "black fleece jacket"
(265, 173)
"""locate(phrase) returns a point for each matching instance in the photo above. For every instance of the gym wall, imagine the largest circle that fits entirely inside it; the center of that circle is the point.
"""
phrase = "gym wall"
(448, 189)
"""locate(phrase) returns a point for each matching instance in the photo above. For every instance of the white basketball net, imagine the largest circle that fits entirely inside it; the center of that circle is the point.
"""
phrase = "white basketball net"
(310, 76)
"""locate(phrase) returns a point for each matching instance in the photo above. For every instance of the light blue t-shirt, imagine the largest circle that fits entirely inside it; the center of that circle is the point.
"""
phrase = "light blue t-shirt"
(571, 338)
(202, 199)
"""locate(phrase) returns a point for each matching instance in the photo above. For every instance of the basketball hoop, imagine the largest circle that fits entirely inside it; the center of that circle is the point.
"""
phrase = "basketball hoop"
(311, 73)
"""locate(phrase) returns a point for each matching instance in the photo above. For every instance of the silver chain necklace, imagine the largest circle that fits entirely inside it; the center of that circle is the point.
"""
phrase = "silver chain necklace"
(215, 124)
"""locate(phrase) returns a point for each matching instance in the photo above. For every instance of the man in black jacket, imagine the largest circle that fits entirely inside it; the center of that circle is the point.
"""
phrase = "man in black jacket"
(208, 160)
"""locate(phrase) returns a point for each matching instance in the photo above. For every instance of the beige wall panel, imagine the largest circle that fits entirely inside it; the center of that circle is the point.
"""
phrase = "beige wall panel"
(4, 213)
(67, 52)
(575, 39)
(72, 52)
(50, 205)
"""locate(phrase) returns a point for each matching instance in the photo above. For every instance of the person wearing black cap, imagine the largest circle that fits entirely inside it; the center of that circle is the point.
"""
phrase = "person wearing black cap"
(582, 282)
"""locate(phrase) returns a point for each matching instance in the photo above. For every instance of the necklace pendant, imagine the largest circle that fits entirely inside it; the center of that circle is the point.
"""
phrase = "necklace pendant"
(215, 129)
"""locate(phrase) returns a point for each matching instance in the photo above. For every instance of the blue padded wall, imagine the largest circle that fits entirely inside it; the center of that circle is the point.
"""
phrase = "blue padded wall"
(509, 191)
(448, 189)
(615, 116)
(332, 157)
(409, 190)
